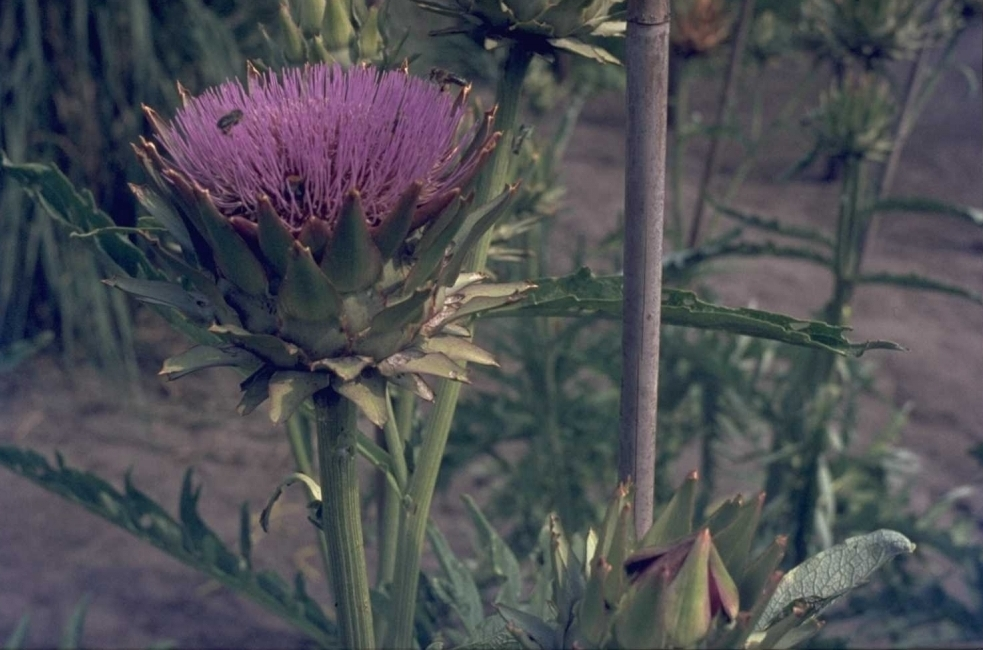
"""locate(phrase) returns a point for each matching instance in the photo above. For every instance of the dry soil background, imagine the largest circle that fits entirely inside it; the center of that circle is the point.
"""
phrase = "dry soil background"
(52, 553)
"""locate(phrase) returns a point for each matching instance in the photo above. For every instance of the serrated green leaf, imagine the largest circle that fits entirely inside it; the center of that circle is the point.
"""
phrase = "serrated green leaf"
(586, 50)
(582, 293)
(458, 587)
(775, 225)
(825, 577)
(136, 513)
(500, 559)
(476, 224)
(168, 294)
(927, 205)
(77, 211)
(165, 215)
(921, 283)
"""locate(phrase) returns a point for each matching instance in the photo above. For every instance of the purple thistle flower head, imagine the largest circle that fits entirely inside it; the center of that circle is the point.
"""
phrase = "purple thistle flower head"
(307, 138)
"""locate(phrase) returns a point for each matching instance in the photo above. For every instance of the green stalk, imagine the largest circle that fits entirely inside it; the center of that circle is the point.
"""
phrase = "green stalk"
(341, 518)
(727, 93)
(391, 498)
(677, 153)
(801, 423)
(298, 435)
(424, 479)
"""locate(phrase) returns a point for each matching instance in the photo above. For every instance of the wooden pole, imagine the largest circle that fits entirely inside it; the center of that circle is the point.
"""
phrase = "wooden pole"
(646, 62)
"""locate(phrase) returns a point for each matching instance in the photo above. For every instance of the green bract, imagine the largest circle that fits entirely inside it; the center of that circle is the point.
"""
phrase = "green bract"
(541, 26)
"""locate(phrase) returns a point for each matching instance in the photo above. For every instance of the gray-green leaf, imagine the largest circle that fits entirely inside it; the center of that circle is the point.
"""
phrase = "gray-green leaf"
(823, 578)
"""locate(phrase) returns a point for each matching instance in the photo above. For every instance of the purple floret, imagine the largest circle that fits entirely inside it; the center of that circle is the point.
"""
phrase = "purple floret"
(306, 137)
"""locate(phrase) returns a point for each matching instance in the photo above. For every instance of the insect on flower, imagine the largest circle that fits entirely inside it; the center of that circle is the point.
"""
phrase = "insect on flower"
(446, 78)
(230, 119)
(295, 186)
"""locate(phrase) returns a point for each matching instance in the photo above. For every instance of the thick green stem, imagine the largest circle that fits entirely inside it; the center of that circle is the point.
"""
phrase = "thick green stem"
(802, 421)
(424, 479)
(341, 517)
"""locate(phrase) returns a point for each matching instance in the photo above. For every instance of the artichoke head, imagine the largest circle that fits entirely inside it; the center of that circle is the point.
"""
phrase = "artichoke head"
(375, 294)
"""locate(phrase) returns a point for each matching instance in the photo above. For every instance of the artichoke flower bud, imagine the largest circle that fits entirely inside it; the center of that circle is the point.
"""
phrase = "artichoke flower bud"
(693, 583)
(321, 217)
(543, 26)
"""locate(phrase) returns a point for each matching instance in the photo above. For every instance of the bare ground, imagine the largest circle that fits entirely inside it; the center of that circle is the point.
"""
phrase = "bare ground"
(52, 553)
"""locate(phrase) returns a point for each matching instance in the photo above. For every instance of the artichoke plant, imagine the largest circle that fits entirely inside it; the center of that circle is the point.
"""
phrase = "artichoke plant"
(873, 32)
(541, 26)
(311, 221)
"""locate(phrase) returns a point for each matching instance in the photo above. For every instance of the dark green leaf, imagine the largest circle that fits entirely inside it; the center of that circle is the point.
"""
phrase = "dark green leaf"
(927, 205)
(583, 293)
(775, 225)
(168, 294)
(500, 559)
(77, 211)
(921, 283)
(457, 587)
(192, 543)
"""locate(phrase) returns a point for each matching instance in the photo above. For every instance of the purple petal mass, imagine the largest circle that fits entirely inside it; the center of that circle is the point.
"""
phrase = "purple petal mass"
(307, 136)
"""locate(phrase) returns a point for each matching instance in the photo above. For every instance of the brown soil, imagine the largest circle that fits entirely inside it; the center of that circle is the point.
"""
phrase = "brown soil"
(52, 553)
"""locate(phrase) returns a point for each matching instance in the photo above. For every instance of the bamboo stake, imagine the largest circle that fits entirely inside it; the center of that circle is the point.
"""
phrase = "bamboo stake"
(646, 62)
